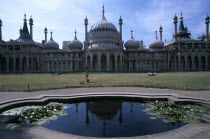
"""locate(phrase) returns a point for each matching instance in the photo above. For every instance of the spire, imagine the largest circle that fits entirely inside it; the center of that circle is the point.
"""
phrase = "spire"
(75, 32)
(181, 16)
(25, 27)
(51, 38)
(181, 24)
(103, 12)
(156, 34)
(132, 34)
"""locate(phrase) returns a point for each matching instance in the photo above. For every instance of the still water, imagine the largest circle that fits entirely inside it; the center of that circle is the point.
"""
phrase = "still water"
(110, 117)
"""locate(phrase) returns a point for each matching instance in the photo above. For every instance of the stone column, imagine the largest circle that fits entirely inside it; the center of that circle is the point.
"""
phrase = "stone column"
(91, 62)
(115, 58)
(107, 61)
(48, 66)
(27, 59)
(7, 63)
(207, 62)
(61, 66)
(14, 63)
(199, 61)
(121, 63)
(169, 59)
(155, 66)
(99, 61)
(21, 63)
(179, 68)
(71, 65)
(186, 62)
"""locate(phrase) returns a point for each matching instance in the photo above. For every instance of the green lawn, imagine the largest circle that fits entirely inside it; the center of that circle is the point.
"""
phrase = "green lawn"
(39, 81)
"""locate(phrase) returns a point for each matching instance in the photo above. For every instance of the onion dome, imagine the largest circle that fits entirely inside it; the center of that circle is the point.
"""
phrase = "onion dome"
(51, 44)
(75, 44)
(156, 43)
(132, 43)
(103, 31)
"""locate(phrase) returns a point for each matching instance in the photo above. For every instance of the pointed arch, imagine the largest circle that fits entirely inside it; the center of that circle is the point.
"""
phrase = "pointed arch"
(118, 63)
(11, 65)
(103, 62)
(88, 63)
(24, 63)
(112, 63)
(182, 63)
(203, 63)
(35, 65)
(3, 63)
(189, 63)
(95, 63)
(17, 64)
(196, 63)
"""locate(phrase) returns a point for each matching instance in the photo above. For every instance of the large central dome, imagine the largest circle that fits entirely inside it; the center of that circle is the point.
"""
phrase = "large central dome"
(103, 24)
(104, 32)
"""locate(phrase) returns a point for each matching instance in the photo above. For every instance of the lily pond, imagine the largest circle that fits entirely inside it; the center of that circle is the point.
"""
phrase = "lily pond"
(108, 117)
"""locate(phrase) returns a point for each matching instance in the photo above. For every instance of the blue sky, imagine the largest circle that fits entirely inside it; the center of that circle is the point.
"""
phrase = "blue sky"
(64, 16)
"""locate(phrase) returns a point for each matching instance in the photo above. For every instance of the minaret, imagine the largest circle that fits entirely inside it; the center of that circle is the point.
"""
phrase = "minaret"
(45, 32)
(175, 26)
(207, 28)
(161, 31)
(120, 23)
(86, 28)
(31, 23)
(0, 30)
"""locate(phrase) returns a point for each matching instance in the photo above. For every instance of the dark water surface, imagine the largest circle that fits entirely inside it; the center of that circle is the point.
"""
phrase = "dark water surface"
(104, 118)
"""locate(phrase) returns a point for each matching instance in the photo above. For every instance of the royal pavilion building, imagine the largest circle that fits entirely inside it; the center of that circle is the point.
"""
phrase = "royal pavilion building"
(104, 50)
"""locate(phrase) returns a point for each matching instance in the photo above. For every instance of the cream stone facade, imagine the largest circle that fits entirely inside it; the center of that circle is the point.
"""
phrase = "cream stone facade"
(104, 50)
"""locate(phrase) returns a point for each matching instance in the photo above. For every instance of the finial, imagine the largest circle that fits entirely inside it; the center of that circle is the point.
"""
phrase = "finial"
(51, 33)
(103, 12)
(131, 34)
(156, 33)
(25, 16)
(75, 32)
(181, 15)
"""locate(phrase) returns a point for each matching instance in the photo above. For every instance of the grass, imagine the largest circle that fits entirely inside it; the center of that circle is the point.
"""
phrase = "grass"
(40, 81)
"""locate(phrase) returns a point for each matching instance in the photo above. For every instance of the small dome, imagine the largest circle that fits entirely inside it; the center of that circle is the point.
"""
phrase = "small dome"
(132, 43)
(75, 44)
(156, 43)
(51, 44)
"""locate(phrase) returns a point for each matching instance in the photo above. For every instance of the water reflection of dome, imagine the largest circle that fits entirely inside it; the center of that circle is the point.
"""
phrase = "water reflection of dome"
(104, 111)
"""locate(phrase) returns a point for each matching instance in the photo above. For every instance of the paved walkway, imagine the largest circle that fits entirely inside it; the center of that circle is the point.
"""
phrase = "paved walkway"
(28, 131)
